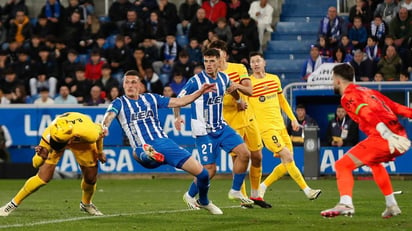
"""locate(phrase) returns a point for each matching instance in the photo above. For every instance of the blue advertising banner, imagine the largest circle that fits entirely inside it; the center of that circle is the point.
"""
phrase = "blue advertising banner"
(26, 125)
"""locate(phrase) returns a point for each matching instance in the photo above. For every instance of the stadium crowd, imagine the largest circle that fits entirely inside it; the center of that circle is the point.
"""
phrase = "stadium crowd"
(376, 39)
(68, 53)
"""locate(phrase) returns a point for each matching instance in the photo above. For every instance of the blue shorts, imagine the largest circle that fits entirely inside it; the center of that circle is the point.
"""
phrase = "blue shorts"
(174, 155)
(209, 146)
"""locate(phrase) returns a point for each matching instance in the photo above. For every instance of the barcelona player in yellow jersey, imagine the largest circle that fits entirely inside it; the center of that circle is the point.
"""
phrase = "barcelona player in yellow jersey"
(83, 137)
(267, 101)
(242, 119)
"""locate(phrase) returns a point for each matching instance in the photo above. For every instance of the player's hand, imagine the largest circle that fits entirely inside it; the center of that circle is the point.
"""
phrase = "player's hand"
(398, 143)
(208, 87)
(233, 87)
(178, 123)
(295, 125)
(101, 157)
(242, 105)
(42, 152)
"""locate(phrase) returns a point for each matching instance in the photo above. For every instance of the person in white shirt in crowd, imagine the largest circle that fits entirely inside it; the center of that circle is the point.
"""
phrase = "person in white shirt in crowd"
(262, 12)
(44, 97)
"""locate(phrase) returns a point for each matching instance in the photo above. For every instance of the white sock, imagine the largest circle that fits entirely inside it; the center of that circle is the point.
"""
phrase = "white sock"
(390, 200)
(345, 199)
(263, 186)
(254, 193)
(306, 190)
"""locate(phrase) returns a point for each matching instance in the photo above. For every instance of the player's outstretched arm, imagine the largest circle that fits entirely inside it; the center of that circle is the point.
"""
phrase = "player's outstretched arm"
(178, 120)
(186, 99)
(107, 121)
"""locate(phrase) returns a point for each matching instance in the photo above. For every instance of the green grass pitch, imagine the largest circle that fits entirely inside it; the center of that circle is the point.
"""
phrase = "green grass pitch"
(156, 204)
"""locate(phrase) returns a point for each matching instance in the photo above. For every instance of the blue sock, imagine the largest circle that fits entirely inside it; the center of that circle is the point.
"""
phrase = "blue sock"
(238, 180)
(203, 186)
(193, 190)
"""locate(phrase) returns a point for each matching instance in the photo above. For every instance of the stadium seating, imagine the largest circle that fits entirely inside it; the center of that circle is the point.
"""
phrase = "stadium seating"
(293, 35)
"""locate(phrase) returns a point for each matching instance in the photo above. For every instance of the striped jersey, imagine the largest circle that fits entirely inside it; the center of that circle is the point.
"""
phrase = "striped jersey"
(207, 109)
(139, 118)
(234, 117)
(265, 102)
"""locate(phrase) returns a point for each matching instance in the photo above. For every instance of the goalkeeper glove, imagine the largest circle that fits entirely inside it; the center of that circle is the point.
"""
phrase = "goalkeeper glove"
(400, 143)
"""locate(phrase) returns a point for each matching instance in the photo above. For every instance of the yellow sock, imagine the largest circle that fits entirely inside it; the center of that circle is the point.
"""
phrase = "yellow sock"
(87, 192)
(275, 175)
(294, 172)
(243, 189)
(31, 185)
(255, 175)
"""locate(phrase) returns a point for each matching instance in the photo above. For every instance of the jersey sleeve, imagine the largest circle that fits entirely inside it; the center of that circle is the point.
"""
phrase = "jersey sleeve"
(115, 106)
(397, 108)
(243, 74)
(162, 102)
(190, 87)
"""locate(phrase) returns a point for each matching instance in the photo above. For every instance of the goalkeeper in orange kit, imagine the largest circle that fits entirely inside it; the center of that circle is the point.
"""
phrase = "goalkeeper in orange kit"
(84, 138)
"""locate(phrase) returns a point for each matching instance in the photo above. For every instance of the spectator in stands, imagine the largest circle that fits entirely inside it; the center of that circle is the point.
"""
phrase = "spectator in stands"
(342, 131)
(235, 10)
(5, 142)
(168, 55)
(95, 97)
(106, 82)
(389, 41)
(73, 31)
(214, 9)
(361, 9)
(114, 92)
(183, 65)
(363, 67)
(249, 29)
(332, 27)
(4, 62)
(3, 98)
(378, 77)
(152, 81)
(400, 28)
(195, 52)
(118, 11)
(20, 29)
(177, 83)
(312, 63)
(387, 9)
(9, 82)
(44, 98)
(262, 12)
(13, 46)
(69, 66)
(238, 49)
(133, 28)
(223, 30)
(34, 46)
(55, 14)
(390, 65)
(19, 95)
(406, 4)
(60, 52)
(187, 13)
(11, 7)
(3, 32)
(23, 67)
(90, 32)
(138, 62)
(42, 27)
(379, 29)
(404, 76)
(99, 44)
(200, 26)
(346, 44)
(168, 91)
(144, 7)
(304, 120)
(211, 36)
(93, 70)
(64, 96)
(156, 28)
(372, 50)
(81, 86)
(118, 57)
(168, 12)
(339, 56)
(151, 52)
(324, 49)
(358, 34)
(46, 73)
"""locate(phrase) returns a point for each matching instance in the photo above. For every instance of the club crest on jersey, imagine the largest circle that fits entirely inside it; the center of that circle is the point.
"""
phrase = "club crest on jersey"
(141, 115)
(262, 98)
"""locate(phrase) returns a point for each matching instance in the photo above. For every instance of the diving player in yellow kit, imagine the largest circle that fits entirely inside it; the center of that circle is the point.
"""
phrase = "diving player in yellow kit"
(84, 138)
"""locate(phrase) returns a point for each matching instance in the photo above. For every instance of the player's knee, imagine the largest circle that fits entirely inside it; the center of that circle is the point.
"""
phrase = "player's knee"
(203, 176)
(344, 163)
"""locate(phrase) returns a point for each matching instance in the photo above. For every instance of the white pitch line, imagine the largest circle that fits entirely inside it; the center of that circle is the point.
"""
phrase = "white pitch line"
(98, 217)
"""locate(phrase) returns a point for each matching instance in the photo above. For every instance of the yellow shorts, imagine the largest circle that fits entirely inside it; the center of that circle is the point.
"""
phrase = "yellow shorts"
(85, 153)
(276, 139)
(250, 134)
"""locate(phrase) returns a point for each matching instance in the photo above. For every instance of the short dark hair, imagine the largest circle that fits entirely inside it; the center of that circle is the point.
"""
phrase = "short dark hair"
(131, 72)
(344, 71)
(301, 106)
(219, 44)
(255, 53)
(211, 52)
